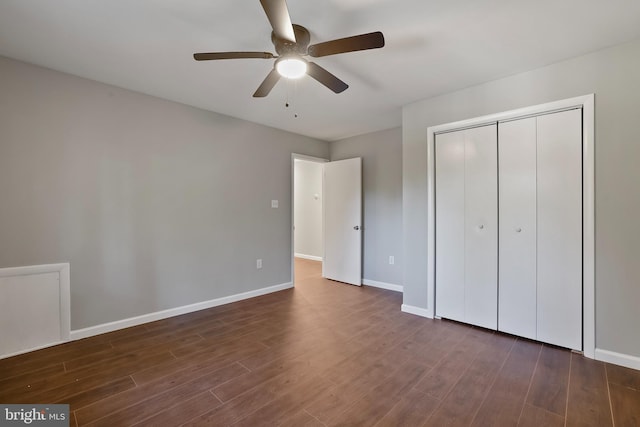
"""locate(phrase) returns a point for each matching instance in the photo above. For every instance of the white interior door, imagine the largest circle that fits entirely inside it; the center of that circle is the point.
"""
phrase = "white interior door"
(481, 227)
(559, 256)
(517, 248)
(449, 153)
(343, 221)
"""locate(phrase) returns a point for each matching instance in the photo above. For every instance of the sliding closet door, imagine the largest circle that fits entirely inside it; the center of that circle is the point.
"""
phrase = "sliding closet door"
(481, 226)
(559, 250)
(450, 225)
(517, 246)
(466, 226)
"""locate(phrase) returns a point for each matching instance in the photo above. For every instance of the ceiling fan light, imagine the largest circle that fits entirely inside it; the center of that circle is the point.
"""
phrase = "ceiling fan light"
(291, 68)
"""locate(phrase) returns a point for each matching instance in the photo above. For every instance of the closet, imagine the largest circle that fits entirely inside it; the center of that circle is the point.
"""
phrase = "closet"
(508, 226)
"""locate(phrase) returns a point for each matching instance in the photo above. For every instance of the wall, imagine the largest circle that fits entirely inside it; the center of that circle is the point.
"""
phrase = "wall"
(307, 208)
(155, 204)
(381, 154)
(612, 74)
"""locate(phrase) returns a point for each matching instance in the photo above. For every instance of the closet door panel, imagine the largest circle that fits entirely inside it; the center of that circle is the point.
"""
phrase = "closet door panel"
(481, 226)
(517, 230)
(559, 250)
(449, 173)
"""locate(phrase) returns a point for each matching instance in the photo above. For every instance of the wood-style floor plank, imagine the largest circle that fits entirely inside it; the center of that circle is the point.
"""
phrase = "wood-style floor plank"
(625, 377)
(139, 412)
(88, 378)
(410, 411)
(286, 405)
(376, 404)
(329, 405)
(532, 416)
(626, 402)
(444, 376)
(249, 401)
(551, 381)
(322, 354)
(588, 402)
(77, 397)
(72, 419)
(116, 356)
(42, 359)
(460, 405)
(176, 415)
(301, 419)
(503, 404)
(147, 391)
(12, 386)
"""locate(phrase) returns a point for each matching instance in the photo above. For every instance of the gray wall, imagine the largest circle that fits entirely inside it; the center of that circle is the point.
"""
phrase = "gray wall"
(381, 154)
(155, 204)
(613, 76)
(308, 208)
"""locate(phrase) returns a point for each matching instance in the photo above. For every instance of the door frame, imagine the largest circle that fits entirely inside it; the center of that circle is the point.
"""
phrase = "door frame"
(295, 156)
(587, 103)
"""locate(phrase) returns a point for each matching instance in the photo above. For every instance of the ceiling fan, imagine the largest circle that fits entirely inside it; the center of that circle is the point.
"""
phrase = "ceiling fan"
(292, 45)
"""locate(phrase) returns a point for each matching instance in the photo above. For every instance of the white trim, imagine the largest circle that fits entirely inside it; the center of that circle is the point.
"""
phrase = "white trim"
(295, 156)
(589, 228)
(587, 104)
(158, 315)
(383, 285)
(416, 310)
(309, 158)
(564, 104)
(63, 270)
(621, 359)
(311, 257)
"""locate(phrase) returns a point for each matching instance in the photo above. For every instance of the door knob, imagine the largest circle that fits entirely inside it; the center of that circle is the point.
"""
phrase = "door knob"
(518, 230)
(481, 226)
(356, 228)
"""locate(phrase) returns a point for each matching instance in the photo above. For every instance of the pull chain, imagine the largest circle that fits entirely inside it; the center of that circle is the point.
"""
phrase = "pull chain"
(287, 103)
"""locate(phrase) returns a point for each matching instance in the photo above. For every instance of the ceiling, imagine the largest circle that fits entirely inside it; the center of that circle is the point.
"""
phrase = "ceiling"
(432, 47)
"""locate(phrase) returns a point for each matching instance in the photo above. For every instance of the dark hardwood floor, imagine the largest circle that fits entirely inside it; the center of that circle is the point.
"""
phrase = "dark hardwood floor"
(324, 354)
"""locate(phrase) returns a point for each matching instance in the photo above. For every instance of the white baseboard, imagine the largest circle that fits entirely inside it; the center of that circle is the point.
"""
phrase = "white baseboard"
(158, 315)
(311, 257)
(416, 310)
(621, 359)
(383, 285)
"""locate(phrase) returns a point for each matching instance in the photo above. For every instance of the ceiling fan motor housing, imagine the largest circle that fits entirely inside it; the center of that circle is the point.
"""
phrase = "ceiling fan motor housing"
(286, 47)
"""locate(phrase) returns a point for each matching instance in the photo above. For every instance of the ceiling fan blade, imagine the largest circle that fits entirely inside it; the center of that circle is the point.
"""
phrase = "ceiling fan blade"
(267, 84)
(278, 16)
(231, 55)
(348, 44)
(326, 78)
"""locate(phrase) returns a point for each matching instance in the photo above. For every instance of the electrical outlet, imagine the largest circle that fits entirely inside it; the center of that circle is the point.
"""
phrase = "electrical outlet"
(392, 260)
(258, 264)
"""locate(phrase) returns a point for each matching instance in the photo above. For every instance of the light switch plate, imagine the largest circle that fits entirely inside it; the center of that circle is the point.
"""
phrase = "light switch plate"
(274, 203)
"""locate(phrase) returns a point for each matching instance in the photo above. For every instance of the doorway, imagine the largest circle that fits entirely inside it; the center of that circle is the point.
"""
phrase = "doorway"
(307, 212)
